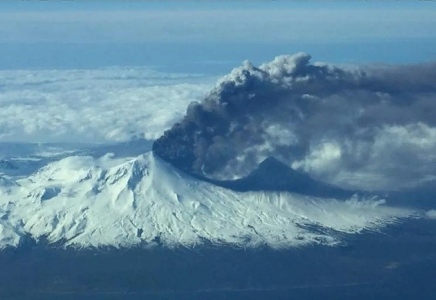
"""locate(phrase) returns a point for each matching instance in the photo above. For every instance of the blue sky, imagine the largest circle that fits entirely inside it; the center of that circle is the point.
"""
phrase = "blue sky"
(211, 37)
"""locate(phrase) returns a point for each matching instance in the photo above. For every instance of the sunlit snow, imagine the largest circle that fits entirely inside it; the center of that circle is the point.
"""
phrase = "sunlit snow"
(85, 201)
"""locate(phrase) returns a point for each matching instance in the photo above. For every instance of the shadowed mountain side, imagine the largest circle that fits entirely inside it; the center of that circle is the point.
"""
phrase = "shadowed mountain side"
(422, 197)
(273, 175)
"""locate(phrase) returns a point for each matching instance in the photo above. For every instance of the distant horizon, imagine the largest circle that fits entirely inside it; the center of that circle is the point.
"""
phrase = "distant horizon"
(176, 36)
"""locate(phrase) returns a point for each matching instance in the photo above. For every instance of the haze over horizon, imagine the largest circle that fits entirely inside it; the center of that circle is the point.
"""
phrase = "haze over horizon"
(211, 38)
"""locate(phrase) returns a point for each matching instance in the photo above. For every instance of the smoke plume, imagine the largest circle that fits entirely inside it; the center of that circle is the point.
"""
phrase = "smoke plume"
(370, 127)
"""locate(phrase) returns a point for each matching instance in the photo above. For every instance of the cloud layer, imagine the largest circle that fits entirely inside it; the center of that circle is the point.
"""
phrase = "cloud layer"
(367, 127)
(102, 105)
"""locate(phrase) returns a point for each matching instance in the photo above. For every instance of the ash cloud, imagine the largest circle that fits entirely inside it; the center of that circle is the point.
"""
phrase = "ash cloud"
(367, 127)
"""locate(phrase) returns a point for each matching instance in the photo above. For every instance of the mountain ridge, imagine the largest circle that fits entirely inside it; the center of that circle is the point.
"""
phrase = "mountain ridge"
(82, 201)
(274, 175)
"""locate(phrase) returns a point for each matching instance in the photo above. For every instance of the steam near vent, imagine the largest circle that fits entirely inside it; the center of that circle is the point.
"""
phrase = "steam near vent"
(370, 127)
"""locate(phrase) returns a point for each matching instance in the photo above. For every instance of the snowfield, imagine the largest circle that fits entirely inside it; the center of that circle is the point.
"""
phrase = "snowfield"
(86, 201)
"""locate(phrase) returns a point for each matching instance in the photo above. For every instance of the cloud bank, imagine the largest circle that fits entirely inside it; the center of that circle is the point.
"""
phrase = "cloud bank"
(431, 214)
(101, 105)
(369, 127)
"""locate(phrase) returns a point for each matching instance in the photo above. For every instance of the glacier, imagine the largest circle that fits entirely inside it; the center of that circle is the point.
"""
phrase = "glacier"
(86, 201)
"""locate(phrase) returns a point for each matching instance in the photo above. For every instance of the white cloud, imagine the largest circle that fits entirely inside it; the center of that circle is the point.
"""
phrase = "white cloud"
(322, 158)
(102, 105)
(118, 104)
(398, 157)
(431, 214)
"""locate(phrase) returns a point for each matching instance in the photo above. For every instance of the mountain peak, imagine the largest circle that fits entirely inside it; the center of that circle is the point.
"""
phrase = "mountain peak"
(125, 201)
(272, 162)
(272, 167)
(274, 175)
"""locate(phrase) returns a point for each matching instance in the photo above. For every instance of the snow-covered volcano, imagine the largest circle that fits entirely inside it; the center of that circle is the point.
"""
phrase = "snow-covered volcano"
(84, 201)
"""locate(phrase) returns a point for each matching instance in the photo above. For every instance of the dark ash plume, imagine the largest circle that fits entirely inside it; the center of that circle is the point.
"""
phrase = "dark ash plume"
(330, 121)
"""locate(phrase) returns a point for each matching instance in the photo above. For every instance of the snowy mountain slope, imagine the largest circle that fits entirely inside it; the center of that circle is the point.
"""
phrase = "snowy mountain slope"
(85, 201)
(24, 159)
